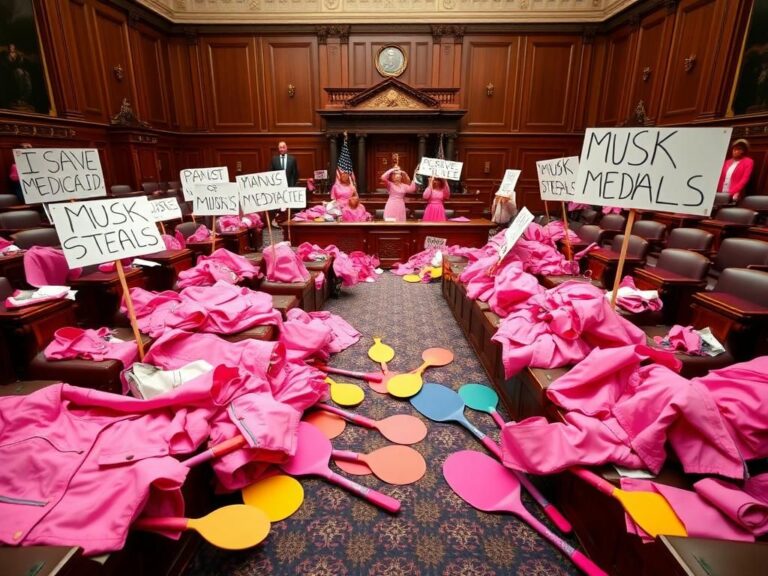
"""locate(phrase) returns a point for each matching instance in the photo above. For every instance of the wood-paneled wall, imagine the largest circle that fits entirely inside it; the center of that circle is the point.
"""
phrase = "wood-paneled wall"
(227, 95)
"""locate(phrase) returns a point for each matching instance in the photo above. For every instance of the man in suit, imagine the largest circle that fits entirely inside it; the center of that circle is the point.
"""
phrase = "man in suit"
(284, 161)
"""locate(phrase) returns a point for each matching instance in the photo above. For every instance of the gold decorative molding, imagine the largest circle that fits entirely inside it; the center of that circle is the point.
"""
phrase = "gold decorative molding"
(391, 99)
(25, 129)
(335, 12)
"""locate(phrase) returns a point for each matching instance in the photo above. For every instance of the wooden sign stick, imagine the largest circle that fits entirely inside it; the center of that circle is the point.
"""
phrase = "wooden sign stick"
(213, 235)
(131, 311)
(271, 240)
(162, 228)
(546, 210)
(622, 257)
(289, 226)
(567, 240)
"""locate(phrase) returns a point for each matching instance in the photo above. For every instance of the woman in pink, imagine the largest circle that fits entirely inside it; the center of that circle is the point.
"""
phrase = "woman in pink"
(355, 212)
(343, 189)
(398, 185)
(736, 170)
(437, 192)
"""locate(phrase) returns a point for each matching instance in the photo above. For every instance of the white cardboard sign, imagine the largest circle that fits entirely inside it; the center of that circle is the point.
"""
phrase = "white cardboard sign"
(663, 169)
(59, 174)
(165, 209)
(100, 231)
(321, 175)
(447, 169)
(191, 176)
(434, 242)
(510, 180)
(216, 199)
(515, 231)
(269, 191)
(557, 178)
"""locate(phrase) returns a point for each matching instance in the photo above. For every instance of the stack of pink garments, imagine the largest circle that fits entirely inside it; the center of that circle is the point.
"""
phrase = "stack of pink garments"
(310, 214)
(284, 265)
(352, 268)
(633, 300)
(222, 265)
(560, 326)
(175, 242)
(315, 334)
(44, 266)
(683, 338)
(219, 309)
(505, 290)
(96, 475)
(625, 413)
(202, 234)
(70, 342)
(421, 259)
(237, 223)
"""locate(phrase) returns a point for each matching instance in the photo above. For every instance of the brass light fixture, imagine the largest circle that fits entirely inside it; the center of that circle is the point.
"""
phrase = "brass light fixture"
(291, 90)
(489, 89)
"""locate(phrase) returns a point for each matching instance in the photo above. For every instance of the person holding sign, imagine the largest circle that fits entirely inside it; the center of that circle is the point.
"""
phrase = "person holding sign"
(343, 189)
(736, 170)
(398, 185)
(435, 194)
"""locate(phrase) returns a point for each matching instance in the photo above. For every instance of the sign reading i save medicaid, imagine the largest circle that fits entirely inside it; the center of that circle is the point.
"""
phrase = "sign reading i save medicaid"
(216, 199)
(165, 209)
(58, 174)
(269, 191)
(662, 169)
(191, 176)
(557, 178)
(99, 231)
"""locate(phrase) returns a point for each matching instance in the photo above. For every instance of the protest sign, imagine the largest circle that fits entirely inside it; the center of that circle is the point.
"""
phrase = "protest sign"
(59, 174)
(557, 178)
(165, 209)
(100, 231)
(439, 168)
(434, 242)
(268, 191)
(510, 181)
(515, 231)
(191, 176)
(321, 175)
(216, 199)
(663, 169)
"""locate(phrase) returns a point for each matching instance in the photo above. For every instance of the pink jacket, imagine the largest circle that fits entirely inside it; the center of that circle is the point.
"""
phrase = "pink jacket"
(739, 179)
(315, 334)
(71, 342)
(81, 465)
(221, 265)
(359, 214)
(351, 268)
(44, 266)
(284, 265)
(625, 413)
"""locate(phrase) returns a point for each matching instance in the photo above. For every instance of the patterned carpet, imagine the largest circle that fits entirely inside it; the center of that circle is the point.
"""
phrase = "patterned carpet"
(435, 533)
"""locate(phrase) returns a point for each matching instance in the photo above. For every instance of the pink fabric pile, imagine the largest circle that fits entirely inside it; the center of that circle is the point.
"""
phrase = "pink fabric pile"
(222, 265)
(309, 215)
(237, 223)
(683, 338)
(633, 300)
(5, 245)
(70, 342)
(202, 234)
(175, 242)
(284, 265)
(352, 268)
(421, 259)
(44, 266)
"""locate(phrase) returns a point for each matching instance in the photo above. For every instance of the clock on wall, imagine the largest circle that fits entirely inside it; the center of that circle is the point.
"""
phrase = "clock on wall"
(391, 60)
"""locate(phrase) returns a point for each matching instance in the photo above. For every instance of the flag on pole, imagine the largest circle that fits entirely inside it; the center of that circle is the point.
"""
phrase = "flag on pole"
(345, 161)
(440, 151)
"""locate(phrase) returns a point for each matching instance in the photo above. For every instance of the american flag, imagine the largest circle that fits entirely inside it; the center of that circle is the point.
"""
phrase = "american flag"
(345, 161)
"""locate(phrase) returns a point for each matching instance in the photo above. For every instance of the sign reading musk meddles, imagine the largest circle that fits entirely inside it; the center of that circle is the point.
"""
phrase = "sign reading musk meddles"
(663, 169)
(269, 191)
(59, 174)
(104, 230)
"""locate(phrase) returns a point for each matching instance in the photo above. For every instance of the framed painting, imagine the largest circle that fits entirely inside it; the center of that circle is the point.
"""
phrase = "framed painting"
(751, 93)
(391, 61)
(23, 80)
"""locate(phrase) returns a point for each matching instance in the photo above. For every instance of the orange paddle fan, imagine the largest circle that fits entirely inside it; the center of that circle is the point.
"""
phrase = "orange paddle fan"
(393, 464)
(406, 385)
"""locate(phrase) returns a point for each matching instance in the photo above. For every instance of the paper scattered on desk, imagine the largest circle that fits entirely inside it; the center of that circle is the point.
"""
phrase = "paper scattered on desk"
(147, 263)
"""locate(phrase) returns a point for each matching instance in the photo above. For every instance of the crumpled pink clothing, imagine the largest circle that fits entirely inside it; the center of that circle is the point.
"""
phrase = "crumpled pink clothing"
(611, 210)
(218, 309)
(555, 231)
(45, 266)
(5, 245)
(561, 326)
(202, 234)
(359, 214)
(699, 518)
(424, 258)
(625, 413)
(634, 300)
(352, 268)
(683, 338)
(576, 206)
(316, 333)
(236, 223)
(71, 342)
(310, 214)
(284, 265)
(221, 265)
(175, 242)
(747, 506)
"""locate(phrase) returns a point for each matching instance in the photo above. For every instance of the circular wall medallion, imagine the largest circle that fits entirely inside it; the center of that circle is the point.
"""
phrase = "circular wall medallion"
(391, 61)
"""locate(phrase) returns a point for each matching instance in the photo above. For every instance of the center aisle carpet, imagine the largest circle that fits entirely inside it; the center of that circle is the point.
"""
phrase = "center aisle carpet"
(435, 533)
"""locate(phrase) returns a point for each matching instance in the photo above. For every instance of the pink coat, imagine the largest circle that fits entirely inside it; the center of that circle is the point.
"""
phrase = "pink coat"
(71, 342)
(284, 265)
(44, 266)
(739, 178)
(221, 265)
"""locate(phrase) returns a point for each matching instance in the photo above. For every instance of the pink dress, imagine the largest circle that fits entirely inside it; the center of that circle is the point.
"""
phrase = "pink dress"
(395, 206)
(342, 193)
(435, 211)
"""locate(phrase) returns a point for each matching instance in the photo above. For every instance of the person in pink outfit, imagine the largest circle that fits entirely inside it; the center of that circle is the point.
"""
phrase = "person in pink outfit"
(736, 171)
(355, 212)
(344, 189)
(398, 185)
(436, 193)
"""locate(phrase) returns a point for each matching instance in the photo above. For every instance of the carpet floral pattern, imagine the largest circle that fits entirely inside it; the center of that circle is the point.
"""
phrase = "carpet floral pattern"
(436, 533)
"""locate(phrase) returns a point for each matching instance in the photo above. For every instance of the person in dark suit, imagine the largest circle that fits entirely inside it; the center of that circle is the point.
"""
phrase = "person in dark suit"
(284, 161)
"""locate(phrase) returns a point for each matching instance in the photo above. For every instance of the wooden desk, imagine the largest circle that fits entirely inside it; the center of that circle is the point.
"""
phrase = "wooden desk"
(392, 242)
(171, 262)
(468, 206)
(703, 557)
(12, 267)
(99, 295)
(674, 290)
(27, 330)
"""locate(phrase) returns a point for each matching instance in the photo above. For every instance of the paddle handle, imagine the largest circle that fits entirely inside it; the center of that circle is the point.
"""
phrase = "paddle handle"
(346, 455)
(381, 500)
(497, 418)
(349, 416)
(578, 558)
(594, 480)
(175, 524)
(368, 377)
(215, 451)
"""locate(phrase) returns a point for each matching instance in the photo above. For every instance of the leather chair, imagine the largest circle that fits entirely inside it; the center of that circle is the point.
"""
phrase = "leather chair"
(722, 199)
(188, 228)
(5, 288)
(651, 231)
(120, 189)
(728, 222)
(378, 214)
(7, 200)
(757, 203)
(174, 185)
(150, 187)
(36, 237)
(691, 239)
(589, 216)
(590, 233)
(612, 224)
(683, 263)
(603, 263)
(162, 186)
(740, 253)
(736, 215)
(12, 222)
